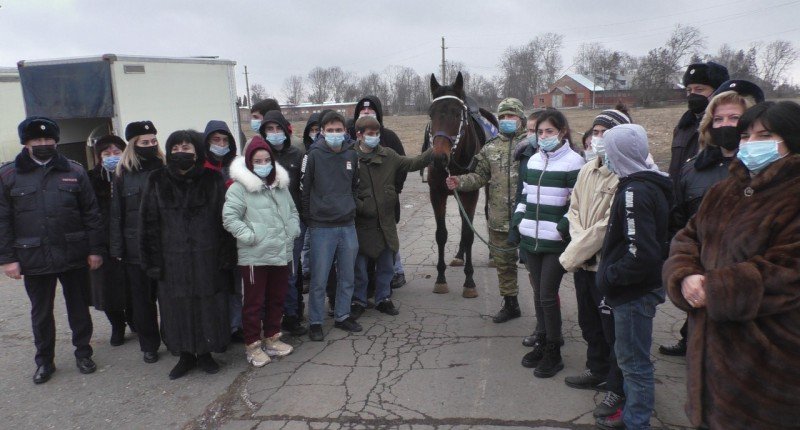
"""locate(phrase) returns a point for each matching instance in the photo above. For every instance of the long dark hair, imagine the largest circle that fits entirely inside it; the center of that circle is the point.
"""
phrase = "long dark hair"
(781, 118)
(557, 119)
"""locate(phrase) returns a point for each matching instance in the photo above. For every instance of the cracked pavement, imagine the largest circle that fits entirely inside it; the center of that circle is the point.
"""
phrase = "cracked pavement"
(441, 364)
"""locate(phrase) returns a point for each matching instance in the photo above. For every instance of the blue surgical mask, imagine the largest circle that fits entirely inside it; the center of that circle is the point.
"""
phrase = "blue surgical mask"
(255, 124)
(262, 170)
(313, 136)
(372, 141)
(609, 165)
(533, 141)
(549, 143)
(508, 126)
(219, 151)
(335, 140)
(758, 155)
(110, 163)
(276, 139)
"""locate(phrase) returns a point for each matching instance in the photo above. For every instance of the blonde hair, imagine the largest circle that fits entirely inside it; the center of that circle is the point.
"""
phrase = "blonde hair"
(129, 161)
(725, 98)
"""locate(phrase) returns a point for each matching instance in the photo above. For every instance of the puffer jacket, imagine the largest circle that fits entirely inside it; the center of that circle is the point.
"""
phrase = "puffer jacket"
(547, 180)
(263, 219)
(589, 211)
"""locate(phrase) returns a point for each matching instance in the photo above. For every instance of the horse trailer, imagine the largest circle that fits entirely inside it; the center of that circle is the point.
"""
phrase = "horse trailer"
(93, 96)
(12, 112)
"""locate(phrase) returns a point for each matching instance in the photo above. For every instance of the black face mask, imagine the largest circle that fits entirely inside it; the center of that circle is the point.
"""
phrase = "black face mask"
(725, 137)
(146, 152)
(181, 160)
(697, 103)
(43, 152)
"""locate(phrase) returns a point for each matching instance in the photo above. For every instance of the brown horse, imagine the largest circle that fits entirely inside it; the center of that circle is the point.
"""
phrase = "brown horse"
(452, 133)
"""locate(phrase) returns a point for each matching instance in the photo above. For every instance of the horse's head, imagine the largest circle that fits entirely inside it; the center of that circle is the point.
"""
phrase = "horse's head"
(449, 118)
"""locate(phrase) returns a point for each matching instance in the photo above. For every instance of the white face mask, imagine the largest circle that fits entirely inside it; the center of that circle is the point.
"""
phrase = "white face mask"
(590, 154)
(598, 145)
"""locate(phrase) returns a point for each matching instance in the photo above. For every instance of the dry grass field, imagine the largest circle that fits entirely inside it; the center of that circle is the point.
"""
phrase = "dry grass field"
(658, 122)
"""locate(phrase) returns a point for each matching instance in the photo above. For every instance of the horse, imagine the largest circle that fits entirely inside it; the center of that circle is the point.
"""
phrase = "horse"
(452, 132)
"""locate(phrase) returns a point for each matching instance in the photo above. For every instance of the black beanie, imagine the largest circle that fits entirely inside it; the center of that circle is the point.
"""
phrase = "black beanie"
(710, 73)
(104, 142)
(743, 88)
(139, 128)
(610, 118)
(36, 127)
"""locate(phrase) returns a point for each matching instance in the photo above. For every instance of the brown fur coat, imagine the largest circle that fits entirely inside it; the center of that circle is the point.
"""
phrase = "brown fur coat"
(743, 359)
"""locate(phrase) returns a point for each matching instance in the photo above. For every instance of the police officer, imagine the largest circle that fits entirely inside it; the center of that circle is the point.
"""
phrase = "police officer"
(50, 229)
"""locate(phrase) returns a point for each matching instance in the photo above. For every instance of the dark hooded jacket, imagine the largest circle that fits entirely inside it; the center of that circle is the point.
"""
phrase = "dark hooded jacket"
(107, 281)
(707, 168)
(684, 144)
(222, 165)
(185, 248)
(329, 185)
(389, 139)
(312, 121)
(49, 218)
(290, 157)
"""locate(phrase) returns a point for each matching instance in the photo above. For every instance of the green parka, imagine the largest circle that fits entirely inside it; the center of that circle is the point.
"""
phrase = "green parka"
(375, 205)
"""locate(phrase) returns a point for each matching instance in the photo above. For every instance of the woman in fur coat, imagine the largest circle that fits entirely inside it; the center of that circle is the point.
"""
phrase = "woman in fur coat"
(261, 215)
(185, 248)
(735, 269)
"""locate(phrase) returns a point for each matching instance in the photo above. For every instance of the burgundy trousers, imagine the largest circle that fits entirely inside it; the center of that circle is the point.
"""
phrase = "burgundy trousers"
(264, 293)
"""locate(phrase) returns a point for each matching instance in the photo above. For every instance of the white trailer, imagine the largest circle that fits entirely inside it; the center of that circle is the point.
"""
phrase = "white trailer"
(90, 97)
(12, 112)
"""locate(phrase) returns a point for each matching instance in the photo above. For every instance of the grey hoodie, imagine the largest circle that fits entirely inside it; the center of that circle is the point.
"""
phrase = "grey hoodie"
(627, 150)
(329, 185)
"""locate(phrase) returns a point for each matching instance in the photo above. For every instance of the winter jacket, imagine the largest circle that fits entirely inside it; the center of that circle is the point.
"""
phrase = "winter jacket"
(743, 357)
(377, 198)
(495, 165)
(330, 185)
(637, 239)
(102, 180)
(213, 162)
(589, 211)
(290, 156)
(108, 281)
(543, 200)
(49, 218)
(126, 200)
(684, 144)
(262, 218)
(697, 176)
(307, 139)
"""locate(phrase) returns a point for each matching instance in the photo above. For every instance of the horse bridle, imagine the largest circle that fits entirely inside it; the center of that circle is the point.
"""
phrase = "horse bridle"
(454, 140)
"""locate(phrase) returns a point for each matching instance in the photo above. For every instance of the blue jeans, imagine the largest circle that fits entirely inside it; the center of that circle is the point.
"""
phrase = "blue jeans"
(235, 300)
(327, 242)
(291, 304)
(633, 326)
(398, 264)
(384, 270)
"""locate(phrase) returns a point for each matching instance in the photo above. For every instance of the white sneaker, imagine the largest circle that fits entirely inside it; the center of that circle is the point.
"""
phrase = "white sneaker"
(256, 356)
(275, 348)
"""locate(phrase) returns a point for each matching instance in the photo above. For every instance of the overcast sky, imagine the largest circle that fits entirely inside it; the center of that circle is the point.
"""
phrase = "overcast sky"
(277, 38)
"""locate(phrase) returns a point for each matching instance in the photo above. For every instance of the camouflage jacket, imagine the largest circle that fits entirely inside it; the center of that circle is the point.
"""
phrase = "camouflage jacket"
(495, 165)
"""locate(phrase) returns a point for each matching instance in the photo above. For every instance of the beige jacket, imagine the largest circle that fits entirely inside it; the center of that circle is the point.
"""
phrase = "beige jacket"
(589, 210)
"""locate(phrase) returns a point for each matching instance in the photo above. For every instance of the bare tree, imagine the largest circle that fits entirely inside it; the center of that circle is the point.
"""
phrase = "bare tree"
(550, 45)
(521, 72)
(484, 91)
(293, 89)
(776, 59)
(403, 81)
(374, 84)
(257, 93)
(340, 82)
(319, 85)
(741, 64)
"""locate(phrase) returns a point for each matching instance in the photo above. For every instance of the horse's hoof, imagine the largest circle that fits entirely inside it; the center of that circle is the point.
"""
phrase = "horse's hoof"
(457, 262)
(440, 288)
(469, 293)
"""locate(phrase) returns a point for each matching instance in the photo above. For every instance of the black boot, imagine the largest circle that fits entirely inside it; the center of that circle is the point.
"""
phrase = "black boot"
(532, 359)
(293, 325)
(551, 362)
(117, 335)
(509, 311)
(677, 350)
(186, 363)
(207, 363)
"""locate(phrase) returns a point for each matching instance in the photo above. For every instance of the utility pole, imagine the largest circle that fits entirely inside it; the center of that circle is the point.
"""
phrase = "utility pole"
(247, 83)
(444, 69)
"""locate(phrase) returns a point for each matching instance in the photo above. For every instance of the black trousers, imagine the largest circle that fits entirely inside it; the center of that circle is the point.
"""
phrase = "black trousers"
(41, 290)
(143, 305)
(597, 328)
(546, 273)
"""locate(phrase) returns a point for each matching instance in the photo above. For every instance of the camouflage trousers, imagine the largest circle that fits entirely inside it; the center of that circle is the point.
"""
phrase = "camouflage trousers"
(505, 262)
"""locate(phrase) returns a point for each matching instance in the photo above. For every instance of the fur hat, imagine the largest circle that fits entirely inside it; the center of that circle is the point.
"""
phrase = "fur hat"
(104, 142)
(743, 88)
(139, 128)
(510, 106)
(611, 118)
(710, 73)
(38, 126)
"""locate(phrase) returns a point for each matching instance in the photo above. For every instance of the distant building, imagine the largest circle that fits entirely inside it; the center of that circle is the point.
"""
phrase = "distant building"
(302, 111)
(576, 90)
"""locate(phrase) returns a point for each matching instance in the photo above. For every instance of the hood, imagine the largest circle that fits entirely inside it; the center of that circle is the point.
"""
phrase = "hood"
(277, 117)
(375, 103)
(251, 182)
(216, 126)
(256, 144)
(193, 137)
(312, 120)
(627, 150)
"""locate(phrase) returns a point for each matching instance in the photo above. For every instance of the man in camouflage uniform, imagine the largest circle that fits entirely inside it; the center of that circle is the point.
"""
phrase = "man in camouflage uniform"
(495, 165)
